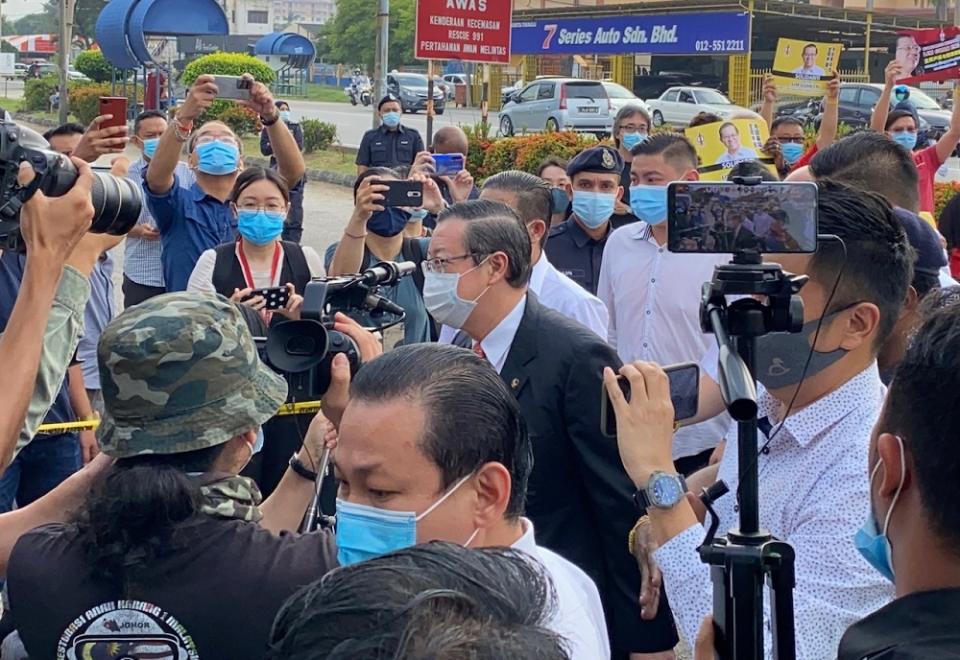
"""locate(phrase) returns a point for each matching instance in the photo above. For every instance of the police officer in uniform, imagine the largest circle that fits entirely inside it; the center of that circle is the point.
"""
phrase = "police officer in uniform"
(575, 246)
(389, 145)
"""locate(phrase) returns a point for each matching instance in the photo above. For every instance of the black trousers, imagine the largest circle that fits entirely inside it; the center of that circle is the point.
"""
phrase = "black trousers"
(293, 225)
(134, 294)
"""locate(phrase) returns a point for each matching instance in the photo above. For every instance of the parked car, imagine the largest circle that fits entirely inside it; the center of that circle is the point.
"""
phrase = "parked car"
(857, 101)
(411, 89)
(678, 105)
(621, 96)
(558, 104)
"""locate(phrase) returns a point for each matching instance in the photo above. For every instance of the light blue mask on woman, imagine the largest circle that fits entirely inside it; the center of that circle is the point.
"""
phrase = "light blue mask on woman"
(218, 158)
(630, 140)
(258, 226)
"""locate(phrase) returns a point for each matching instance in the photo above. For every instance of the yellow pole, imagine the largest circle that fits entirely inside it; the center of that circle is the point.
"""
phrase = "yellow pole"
(866, 46)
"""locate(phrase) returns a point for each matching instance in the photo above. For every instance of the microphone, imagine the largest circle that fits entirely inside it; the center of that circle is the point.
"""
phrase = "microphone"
(377, 303)
(387, 272)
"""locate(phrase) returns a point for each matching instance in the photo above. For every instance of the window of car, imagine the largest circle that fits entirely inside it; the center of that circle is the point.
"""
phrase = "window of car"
(530, 93)
(546, 91)
(711, 96)
(585, 89)
(869, 97)
(848, 94)
(686, 97)
(412, 80)
(671, 95)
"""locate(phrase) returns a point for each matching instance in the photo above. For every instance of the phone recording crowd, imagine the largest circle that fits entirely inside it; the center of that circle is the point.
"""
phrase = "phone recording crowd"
(589, 412)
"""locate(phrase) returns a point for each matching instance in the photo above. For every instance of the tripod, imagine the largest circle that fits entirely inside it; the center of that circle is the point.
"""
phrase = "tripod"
(741, 561)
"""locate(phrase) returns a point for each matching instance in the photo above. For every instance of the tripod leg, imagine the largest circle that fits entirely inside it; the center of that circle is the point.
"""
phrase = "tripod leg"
(779, 559)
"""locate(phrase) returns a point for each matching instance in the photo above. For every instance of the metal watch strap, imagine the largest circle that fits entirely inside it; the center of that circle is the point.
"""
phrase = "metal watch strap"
(297, 466)
(642, 500)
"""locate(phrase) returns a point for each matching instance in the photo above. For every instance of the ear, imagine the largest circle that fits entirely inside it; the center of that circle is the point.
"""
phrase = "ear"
(569, 188)
(861, 325)
(619, 193)
(889, 475)
(692, 175)
(536, 229)
(911, 302)
(499, 263)
(493, 487)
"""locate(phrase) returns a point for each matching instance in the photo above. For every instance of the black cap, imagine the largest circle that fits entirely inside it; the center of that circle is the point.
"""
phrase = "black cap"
(387, 99)
(925, 241)
(605, 160)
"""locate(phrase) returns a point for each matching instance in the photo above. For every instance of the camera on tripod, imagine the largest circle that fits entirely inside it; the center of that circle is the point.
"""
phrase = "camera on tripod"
(302, 351)
(116, 201)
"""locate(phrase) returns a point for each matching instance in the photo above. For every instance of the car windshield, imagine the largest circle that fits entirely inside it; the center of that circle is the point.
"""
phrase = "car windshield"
(616, 91)
(585, 90)
(711, 96)
(922, 101)
(412, 80)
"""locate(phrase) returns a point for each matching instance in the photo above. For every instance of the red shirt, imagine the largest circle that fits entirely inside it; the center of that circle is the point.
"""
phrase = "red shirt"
(927, 162)
(805, 158)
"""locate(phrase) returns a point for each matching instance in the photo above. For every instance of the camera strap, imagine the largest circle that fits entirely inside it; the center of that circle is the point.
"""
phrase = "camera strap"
(248, 274)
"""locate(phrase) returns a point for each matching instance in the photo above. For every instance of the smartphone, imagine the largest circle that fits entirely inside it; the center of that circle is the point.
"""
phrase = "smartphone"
(233, 87)
(276, 296)
(116, 106)
(448, 164)
(709, 217)
(684, 393)
(402, 193)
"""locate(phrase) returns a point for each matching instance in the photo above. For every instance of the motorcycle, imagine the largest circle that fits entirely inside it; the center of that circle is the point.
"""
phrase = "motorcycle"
(366, 95)
(359, 94)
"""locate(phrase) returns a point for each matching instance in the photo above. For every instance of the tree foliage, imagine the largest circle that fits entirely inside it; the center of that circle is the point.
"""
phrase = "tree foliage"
(351, 34)
(226, 64)
(36, 24)
(48, 22)
(94, 65)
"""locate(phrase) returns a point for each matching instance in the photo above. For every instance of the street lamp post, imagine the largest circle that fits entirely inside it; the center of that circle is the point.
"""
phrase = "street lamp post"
(66, 32)
(380, 63)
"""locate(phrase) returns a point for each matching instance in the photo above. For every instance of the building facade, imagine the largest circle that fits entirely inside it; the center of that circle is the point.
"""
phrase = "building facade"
(303, 11)
(249, 17)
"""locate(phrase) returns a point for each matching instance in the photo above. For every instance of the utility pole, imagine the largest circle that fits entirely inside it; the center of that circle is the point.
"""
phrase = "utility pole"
(66, 32)
(380, 64)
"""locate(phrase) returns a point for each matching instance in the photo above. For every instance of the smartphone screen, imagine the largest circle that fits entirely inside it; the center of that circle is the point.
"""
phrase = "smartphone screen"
(729, 217)
(116, 106)
(684, 393)
(448, 164)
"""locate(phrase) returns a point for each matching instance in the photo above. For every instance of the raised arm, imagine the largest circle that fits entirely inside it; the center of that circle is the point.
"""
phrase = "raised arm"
(831, 114)
(289, 159)
(878, 119)
(769, 100)
(349, 254)
(948, 142)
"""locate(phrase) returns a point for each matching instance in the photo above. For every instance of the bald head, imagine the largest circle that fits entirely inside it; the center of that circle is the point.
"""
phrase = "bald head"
(450, 140)
(800, 174)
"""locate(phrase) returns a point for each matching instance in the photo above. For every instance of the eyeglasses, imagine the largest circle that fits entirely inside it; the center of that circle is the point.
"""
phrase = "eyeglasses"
(270, 207)
(207, 139)
(791, 140)
(633, 128)
(913, 50)
(439, 264)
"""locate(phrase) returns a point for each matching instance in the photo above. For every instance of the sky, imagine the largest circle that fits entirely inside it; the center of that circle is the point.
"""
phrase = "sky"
(14, 9)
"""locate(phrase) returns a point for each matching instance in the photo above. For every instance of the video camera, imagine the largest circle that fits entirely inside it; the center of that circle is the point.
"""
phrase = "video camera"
(302, 351)
(116, 201)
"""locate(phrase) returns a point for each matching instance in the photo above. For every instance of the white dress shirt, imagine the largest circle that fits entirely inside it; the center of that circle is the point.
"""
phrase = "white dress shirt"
(201, 279)
(498, 341)
(561, 294)
(579, 614)
(815, 495)
(653, 296)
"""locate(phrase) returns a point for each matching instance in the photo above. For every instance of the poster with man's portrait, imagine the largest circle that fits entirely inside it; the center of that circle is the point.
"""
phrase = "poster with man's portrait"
(723, 144)
(928, 55)
(803, 68)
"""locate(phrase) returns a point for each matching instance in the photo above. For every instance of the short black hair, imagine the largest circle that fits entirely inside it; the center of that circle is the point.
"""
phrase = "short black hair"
(494, 227)
(877, 262)
(147, 114)
(70, 128)
(534, 201)
(254, 173)
(702, 118)
(782, 121)
(751, 168)
(676, 150)
(435, 600)
(552, 161)
(921, 409)
(900, 114)
(873, 162)
(471, 416)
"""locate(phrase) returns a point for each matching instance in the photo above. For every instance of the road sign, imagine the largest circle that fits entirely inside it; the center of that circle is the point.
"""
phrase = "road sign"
(467, 30)
(6, 64)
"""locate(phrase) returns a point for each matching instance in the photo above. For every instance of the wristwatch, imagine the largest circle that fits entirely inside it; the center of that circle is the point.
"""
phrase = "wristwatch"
(302, 470)
(663, 491)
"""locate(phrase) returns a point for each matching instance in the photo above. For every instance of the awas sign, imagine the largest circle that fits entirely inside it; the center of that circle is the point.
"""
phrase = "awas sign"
(468, 30)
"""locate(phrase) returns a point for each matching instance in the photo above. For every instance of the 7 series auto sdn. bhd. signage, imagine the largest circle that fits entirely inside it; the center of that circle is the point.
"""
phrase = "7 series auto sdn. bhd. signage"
(670, 34)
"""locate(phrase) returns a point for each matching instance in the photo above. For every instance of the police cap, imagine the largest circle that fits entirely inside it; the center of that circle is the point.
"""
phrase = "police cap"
(389, 98)
(605, 160)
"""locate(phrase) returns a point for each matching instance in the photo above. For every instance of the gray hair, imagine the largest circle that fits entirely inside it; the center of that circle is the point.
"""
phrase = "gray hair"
(495, 227)
(626, 112)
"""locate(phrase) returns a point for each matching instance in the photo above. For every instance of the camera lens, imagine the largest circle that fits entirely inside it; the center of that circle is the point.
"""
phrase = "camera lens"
(116, 203)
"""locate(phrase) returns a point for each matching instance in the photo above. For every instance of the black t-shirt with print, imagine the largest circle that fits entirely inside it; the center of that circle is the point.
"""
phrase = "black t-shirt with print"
(216, 597)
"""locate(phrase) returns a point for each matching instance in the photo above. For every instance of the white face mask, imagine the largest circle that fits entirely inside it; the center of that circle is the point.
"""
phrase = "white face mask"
(442, 301)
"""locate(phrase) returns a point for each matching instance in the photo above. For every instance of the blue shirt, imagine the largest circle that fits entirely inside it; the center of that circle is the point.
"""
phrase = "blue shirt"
(141, 256)
(97, 314)
(416, 328)
(190, 221)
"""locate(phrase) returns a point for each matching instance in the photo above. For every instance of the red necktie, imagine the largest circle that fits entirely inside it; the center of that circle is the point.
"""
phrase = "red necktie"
(478, 349)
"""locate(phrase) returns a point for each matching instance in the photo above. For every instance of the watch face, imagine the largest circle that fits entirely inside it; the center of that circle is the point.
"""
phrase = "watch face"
(666, 491)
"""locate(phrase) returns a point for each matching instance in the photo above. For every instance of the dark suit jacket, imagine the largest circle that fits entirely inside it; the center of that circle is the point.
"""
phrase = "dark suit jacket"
(579, 496)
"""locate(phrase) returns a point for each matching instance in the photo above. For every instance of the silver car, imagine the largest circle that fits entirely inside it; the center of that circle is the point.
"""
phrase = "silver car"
(678, 105)
(558, 104)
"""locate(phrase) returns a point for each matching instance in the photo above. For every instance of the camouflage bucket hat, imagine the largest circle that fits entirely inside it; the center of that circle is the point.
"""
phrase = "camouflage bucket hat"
(180, 372)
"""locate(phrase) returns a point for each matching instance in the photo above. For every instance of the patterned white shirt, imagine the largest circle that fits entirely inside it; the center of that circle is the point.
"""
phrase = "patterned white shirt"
(815, 495)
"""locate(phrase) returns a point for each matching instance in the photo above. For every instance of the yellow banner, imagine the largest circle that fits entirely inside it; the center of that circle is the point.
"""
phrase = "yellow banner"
(803, 68)
(723, 144)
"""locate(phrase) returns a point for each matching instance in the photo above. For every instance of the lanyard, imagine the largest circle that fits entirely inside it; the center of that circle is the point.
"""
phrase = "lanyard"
(245, 265)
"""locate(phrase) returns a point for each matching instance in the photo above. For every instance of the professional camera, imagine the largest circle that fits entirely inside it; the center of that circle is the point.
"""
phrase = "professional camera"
(303, 350)
(116, 201)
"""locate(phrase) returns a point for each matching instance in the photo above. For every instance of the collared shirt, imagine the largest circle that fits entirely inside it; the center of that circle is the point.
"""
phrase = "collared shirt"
(190, 221)
(815, 495)
(98, 313)
(653, 297)
(740, 154)
(575, 254)
(141, 256)
(382, 147)
(497, 343)
(561, 294)
(579, 614)
(918, 626)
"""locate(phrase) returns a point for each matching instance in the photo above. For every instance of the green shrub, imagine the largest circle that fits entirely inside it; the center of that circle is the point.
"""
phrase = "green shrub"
(37, 91)
(225, 64)
(242, 121)
(317, 135)
(534, 149)
(85, 100)
(94, 65)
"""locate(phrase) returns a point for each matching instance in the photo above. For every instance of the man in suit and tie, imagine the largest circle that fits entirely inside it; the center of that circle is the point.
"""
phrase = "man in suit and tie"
(477, 273)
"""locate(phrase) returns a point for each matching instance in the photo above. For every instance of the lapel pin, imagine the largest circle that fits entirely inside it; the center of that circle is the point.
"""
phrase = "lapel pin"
(515, 383)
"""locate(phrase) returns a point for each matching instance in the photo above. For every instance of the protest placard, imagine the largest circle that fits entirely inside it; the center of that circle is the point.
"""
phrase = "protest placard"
(928, 55)
(803, 68)
(723, 144)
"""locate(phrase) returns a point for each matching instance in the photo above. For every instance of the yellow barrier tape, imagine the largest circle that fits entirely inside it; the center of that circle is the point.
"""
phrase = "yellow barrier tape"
(65, 427)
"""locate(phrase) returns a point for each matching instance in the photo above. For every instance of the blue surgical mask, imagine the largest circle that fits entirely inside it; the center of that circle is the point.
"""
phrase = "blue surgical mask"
(365, 532)
(872, 543)
(593, 208)
(559, 199)
(391, 119)
(388, 222)
(258, 226)
(906, 139)
(285, 115)
(417, 215)
(218, 158)
(649, 203)
(630, 140)
(791, 152)
(258, 445)
(150, 147)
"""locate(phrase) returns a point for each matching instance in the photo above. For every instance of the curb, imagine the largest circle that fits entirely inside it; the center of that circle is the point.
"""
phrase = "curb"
(323, 176)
